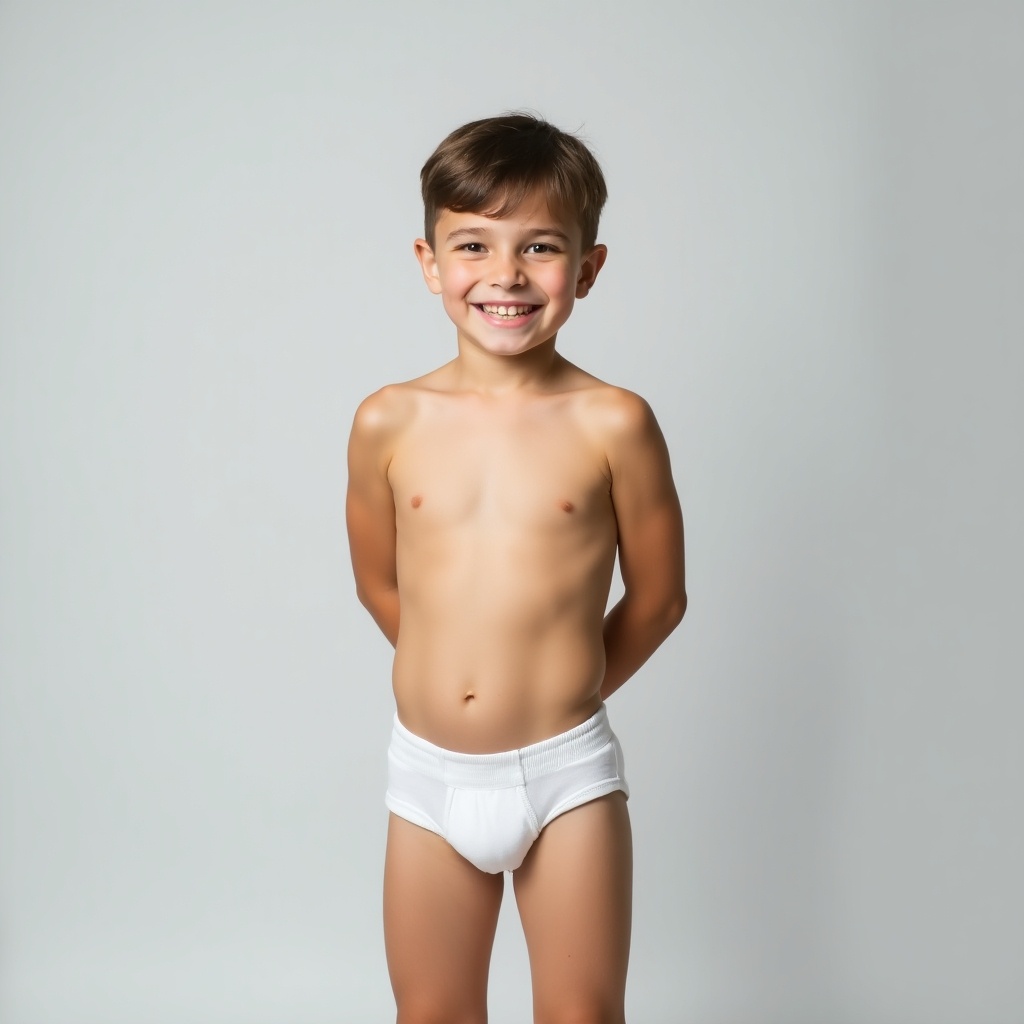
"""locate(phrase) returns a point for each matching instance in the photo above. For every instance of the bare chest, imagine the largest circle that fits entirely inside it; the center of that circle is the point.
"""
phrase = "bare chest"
(522, 473)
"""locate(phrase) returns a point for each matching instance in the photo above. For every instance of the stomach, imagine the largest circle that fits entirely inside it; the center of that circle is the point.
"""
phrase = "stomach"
(494, 657)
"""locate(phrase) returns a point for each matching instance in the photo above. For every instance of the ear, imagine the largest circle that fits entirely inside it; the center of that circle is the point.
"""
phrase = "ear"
(591, 266)
(428, 264)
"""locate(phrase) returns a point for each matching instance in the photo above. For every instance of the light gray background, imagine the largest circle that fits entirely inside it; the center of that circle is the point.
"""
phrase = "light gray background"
(815, 277)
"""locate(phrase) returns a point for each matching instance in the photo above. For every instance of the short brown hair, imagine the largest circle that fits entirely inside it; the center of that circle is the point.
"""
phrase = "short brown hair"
(491, 166)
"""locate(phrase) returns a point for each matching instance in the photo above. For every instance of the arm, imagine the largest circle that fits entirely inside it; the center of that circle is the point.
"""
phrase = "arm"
(370, 512)
(650, 526)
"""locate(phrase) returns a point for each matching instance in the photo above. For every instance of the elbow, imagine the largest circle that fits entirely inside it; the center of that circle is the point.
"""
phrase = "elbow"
(675, 610)
(366, 598)
(373, 598)
(659, 614)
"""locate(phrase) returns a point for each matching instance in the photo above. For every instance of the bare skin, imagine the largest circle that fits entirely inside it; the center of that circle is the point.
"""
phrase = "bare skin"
(487, 501)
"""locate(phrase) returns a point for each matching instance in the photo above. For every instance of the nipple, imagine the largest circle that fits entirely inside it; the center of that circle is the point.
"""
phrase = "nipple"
(417, 500)
(566, 506)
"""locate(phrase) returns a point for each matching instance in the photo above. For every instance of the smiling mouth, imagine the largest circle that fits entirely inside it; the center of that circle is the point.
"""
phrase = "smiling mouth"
(506, 312)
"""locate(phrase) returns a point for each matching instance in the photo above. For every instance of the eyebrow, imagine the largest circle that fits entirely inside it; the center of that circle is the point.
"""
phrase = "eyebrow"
(478, 232)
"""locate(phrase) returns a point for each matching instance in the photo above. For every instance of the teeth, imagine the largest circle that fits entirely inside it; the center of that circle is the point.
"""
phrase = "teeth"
(509, 311)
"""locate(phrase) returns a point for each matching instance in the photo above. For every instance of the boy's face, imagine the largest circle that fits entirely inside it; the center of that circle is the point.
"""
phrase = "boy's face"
(509, 283)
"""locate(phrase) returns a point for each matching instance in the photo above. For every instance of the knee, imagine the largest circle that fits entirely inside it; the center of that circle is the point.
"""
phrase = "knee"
(581, 1011)
(433, 1012)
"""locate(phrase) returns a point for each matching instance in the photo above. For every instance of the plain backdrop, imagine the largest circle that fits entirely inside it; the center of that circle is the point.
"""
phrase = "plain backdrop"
(815, 277)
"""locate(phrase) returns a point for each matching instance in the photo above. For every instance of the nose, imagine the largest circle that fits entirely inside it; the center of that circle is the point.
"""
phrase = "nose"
(506, 272)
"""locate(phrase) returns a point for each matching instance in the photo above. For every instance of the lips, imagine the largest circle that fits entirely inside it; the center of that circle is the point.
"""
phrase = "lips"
(506, 311)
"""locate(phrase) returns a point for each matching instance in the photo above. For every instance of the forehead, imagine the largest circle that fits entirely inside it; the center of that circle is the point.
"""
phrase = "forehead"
(534, 214)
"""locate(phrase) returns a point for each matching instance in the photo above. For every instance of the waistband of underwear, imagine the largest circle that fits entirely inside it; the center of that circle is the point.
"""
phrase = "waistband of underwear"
(507, 767)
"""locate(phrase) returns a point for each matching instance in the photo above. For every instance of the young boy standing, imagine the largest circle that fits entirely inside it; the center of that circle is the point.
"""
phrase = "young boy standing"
(486, 503)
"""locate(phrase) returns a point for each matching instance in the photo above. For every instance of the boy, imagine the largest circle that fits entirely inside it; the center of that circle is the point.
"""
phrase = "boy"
(487, 500)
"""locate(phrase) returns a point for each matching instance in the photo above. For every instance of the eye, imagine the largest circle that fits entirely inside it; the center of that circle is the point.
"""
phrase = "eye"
(540, 248)
(471, 247)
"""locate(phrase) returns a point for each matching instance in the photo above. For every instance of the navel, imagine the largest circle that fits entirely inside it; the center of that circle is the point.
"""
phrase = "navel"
(470, 695)
(566, 506)
(417, 500)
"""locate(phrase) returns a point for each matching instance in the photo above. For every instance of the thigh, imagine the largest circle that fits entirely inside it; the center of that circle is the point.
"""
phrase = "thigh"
(574, 893)
(440, 914)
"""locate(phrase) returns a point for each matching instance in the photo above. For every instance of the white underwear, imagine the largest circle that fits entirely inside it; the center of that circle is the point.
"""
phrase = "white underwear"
(491, 807)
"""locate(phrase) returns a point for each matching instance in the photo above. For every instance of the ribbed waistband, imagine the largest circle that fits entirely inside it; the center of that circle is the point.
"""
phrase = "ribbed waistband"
(508, 767)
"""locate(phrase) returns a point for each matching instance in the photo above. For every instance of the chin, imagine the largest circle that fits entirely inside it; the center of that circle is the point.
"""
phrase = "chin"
(511, 349)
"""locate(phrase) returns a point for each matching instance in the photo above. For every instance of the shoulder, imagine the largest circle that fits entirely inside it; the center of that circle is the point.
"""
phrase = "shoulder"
(390, 410)
(379, 421)
(615, 414)
(383, 412)
(623, 427)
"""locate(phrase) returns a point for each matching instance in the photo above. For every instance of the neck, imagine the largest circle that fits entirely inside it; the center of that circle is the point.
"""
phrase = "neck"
(476, 370)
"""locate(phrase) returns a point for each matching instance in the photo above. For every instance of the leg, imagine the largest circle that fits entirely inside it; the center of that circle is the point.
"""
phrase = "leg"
(574, 892)
(440, 914)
